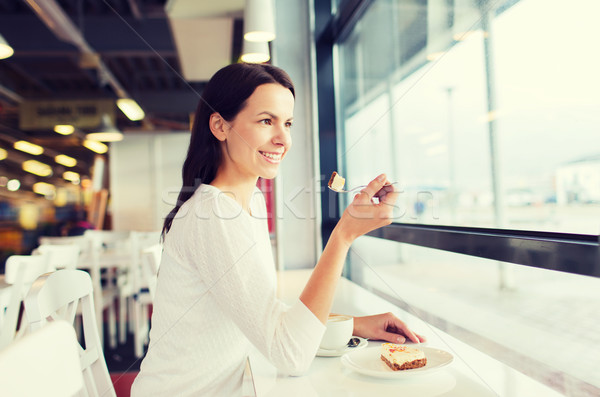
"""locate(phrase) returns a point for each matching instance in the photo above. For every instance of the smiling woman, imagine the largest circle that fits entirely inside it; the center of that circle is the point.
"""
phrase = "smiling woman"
(216, 290)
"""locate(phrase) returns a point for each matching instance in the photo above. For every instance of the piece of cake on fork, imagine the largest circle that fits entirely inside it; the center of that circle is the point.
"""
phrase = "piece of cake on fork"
(402, 357)
(336, 182)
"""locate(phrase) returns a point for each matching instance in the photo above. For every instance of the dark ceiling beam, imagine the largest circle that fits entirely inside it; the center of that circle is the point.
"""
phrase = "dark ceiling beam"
(108, 33)
(93, 6)
(117, 68)
(152, 77)
(164, 68)
(167, 101)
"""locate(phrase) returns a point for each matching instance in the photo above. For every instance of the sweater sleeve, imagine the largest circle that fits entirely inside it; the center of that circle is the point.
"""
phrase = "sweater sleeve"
(234, 259)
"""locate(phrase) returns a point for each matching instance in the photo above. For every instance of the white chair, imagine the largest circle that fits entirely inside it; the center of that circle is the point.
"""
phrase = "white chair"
(130, 281)
(118, 243)
(89, 259)
(20, 272)
(56, 296)
(61, 256)
(142, 300)
(42, 363)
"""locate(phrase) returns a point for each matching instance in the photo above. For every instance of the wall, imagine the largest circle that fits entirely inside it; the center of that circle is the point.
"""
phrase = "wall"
(298, 217)
(145, 177)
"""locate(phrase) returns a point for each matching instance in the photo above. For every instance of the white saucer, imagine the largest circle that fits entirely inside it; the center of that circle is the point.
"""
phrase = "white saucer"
(344, 350)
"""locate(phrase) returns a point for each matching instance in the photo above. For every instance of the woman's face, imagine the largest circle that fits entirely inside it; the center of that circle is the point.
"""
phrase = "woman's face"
(258, 138)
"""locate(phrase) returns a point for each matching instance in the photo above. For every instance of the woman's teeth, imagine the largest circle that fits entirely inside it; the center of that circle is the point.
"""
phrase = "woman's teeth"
(272, 156)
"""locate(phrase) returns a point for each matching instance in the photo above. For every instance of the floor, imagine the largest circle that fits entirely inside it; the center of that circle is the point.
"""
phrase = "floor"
(122, 365)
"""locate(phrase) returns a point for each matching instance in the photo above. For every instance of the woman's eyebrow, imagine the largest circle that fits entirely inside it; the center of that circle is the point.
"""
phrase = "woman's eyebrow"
(272, 115)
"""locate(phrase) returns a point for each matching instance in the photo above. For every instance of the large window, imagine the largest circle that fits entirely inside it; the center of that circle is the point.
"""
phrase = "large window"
(487, 114)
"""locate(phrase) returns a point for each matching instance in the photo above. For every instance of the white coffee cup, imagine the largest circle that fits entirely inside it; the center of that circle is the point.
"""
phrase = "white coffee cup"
(338, 332)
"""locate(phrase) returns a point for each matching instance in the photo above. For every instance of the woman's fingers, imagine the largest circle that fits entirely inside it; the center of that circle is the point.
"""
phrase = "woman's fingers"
(374, 187)
(401, 328)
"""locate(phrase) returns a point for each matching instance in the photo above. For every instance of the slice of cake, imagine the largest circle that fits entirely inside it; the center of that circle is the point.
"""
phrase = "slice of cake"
(336, 182)
(401, 357)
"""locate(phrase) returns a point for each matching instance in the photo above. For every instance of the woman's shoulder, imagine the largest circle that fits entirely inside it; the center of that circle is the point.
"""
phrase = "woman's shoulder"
(209, 202)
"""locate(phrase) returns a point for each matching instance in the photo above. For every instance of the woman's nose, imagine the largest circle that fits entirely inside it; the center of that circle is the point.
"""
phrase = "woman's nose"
(282, 136)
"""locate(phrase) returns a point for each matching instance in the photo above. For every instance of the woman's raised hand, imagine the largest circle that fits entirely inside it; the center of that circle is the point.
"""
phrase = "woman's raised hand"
(371, 209)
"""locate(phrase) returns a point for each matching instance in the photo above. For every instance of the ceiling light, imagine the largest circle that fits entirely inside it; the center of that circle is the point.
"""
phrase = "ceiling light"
(71, 176)
(65, 160)
(44, 188)
(37, 168)
(13, 185)
(107, 132)
(131, 109)
(95, 146)
(28, 147)
(259, 23)
(3, 153)
(64, 129)
(255, 52)
(5, 49)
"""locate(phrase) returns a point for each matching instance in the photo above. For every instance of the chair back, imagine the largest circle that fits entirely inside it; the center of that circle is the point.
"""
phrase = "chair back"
(42, 363)
(64, 256)
(56, 296)
(20, 273)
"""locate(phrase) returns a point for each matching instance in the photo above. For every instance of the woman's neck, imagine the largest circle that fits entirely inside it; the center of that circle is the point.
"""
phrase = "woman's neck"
(240, 190)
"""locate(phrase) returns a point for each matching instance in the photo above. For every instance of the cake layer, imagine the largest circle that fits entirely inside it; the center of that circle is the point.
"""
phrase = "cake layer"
(400, 357)
(336, 182)
(407, 365)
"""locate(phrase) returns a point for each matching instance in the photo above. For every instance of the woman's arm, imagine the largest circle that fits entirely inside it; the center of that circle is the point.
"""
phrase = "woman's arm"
(361, 216)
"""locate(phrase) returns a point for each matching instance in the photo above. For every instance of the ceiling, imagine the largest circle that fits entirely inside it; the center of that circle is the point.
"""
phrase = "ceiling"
(115, 48)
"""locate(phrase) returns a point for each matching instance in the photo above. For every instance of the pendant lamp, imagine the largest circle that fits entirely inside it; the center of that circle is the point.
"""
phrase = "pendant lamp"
(107, 132)
(259, 23)
(5, 49)
(255, 52)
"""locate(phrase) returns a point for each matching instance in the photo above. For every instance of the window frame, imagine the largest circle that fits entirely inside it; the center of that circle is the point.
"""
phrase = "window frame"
(570, 253)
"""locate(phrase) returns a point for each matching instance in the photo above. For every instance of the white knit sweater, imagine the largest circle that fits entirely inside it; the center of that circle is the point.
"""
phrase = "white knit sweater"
(215, 297)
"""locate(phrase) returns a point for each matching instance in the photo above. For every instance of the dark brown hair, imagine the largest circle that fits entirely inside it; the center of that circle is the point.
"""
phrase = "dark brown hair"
(226, 93)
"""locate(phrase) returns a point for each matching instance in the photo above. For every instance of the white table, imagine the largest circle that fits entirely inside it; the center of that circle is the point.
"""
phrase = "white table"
(472, 373)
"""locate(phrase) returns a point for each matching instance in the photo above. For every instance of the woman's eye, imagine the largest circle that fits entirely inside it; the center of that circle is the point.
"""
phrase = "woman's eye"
(266, 121)
(288, 124)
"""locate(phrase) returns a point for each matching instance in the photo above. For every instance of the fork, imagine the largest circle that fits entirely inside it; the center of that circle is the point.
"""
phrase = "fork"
(356, 188)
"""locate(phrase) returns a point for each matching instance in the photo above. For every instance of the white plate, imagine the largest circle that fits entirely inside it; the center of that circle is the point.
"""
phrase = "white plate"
(341, 352)
(368, 362)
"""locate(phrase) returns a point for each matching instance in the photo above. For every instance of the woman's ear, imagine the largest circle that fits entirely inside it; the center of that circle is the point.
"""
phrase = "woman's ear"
(218, 126)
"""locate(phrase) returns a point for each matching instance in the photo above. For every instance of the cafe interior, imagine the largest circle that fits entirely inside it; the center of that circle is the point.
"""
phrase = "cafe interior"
(484, 113)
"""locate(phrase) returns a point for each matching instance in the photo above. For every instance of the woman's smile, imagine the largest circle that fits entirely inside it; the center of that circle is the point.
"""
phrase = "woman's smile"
(272, 157)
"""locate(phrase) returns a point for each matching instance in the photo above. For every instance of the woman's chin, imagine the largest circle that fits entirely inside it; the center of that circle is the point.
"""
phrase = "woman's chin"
(270, 174)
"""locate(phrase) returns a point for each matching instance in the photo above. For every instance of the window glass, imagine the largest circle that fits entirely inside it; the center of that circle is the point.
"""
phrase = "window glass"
(540, 322)
(485, 113)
